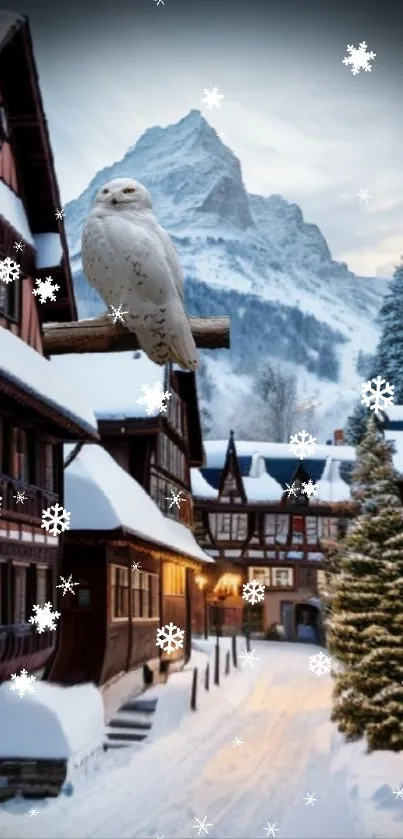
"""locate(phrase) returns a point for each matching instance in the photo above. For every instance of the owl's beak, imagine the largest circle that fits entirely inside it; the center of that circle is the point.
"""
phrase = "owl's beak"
(114, 201)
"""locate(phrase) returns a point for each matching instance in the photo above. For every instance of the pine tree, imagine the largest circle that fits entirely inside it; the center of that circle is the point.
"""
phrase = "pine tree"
(360, 621)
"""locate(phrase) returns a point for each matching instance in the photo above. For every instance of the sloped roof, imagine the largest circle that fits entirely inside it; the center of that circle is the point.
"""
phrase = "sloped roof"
(9, 23)
(331, 486)
(100, 495)
(200, 487)
(34, 375)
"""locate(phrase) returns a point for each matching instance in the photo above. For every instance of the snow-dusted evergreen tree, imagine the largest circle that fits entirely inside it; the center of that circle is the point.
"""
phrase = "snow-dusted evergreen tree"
(360, 622)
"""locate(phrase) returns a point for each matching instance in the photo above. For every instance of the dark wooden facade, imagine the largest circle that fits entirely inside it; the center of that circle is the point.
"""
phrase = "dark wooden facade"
(276, 542)
(31, 432)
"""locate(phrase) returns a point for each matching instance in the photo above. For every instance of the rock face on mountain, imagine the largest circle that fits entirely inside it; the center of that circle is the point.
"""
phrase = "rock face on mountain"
(253, 258)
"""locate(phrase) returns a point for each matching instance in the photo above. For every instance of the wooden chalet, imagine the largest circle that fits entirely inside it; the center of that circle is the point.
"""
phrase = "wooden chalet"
(121, 605)
(38, 412)
(246, 520)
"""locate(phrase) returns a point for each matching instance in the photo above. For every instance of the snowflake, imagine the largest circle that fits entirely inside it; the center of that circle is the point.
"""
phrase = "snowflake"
(290, 489)
(23, 683)
(117, 314)
(170, 638)
(46, 290)
(20, 497)
(221, 135)
(379, 396)
(253, 592)
(67, 585)
(302, 444)
(201, 826)
(18, 246)
(363, 195)
(9, 270)
(359, 58)
(55, 519)
(34, 812)
(320, 664)
(249, 658)
(59, 214)
(159, 2)
(398, 792)
(212, 98)
(44, 617)
(175, 499)
(136, 566)
(238, 742)
(154, 399)
(271, 829)
(309, 799)
(309, 488)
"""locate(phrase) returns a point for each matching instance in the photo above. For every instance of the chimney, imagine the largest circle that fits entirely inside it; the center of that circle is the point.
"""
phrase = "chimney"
(338, 436)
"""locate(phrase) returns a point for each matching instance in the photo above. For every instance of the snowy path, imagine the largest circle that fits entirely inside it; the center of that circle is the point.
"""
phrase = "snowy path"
(281, 712)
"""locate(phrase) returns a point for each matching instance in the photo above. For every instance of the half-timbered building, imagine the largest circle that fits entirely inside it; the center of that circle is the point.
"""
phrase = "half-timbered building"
(247, 518)
(38, 412)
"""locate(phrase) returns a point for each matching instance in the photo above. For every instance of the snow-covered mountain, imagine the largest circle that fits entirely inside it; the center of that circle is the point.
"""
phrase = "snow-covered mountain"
(253, 258)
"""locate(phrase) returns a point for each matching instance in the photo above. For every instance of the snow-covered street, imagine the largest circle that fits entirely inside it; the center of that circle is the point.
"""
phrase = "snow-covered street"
(280, 710)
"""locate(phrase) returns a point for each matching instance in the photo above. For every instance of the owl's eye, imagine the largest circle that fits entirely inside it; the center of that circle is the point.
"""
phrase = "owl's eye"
(129, 189)
(105, 191)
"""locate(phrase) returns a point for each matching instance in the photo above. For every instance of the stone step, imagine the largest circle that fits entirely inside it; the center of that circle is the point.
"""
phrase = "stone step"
(122, 722)
(145, 706)
(132, 736)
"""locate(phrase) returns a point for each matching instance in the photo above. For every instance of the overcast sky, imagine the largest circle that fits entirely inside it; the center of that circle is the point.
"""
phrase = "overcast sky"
(301, 124)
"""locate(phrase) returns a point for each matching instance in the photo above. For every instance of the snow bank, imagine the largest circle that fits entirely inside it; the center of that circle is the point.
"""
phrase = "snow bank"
(54, 722)
(35, 375)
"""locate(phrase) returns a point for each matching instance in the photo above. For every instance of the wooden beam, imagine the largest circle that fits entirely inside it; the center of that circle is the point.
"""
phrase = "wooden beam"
(101, 335)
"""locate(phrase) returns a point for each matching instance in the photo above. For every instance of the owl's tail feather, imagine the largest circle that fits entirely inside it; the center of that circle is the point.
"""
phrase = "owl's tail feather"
(182, 346)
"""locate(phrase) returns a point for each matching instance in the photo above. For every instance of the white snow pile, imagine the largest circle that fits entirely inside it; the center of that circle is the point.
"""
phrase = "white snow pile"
(53, 723)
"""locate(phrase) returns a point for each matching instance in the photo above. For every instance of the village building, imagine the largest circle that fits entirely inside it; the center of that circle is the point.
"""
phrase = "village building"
(150, 452)
(256, 529)
(38, 411)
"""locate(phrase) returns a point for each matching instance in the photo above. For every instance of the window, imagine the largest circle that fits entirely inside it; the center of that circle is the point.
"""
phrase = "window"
(9, 299)
(48, 467)
(20, 590)
(282, 577)
(7, 165)
(173, 577)
(119, 592)
(144, 592)
(41, 587)
(261, 574)
(307, 578)
(298, 533)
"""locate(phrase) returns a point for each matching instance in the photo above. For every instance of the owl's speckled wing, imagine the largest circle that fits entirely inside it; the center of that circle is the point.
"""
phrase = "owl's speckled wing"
(130, 261)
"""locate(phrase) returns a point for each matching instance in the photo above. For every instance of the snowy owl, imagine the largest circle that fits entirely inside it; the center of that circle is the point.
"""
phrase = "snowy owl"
(130, 260)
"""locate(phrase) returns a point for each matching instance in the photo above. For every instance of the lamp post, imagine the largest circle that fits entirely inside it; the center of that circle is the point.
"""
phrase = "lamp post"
(201, 583)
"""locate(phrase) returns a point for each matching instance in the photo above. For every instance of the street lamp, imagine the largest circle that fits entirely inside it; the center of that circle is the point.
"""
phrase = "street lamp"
(201, 583)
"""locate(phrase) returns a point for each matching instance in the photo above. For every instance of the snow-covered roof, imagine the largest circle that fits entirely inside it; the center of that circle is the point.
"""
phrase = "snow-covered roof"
(259, 485)
(49, 250)
(394, 413)
(396, 437)
(216, 451)
(112, 381)
(37, 376)
(331, 486)
(100, 495)
(12, 210)
(200, 487)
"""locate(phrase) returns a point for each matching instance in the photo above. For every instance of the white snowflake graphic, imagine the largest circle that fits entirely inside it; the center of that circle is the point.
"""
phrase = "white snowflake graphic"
(302, 444)
(23, 683)
(358, 58)
(59, 214)
(159, 2)
(290, 490)
(154, 398)
(44, 617)
(46, 290)
(9, 270)
(67, 585)
(34, 812)
(20, 497)
(249, 658)
(398, 792)
(170, 638)
(201, 826)
(271, 829)
(18, 246)
(320, 664)
(175, 498)
(212, 98)
(363, 195)
(377, 394)
(309, 799)
(222, 136)
(117, 314)
(309, 488)
(55, 519)
(237, 742)
(136, 566)
(253, 592)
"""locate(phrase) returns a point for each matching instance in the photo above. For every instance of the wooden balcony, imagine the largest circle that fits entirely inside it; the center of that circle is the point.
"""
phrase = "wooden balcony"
(23, 647)
(37, 500)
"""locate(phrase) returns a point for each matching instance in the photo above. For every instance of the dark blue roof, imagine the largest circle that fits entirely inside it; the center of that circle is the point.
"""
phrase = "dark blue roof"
(282, 469)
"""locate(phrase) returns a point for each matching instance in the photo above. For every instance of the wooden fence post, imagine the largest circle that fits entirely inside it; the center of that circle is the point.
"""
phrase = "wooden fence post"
(234, 651)
(227, 662)
(207, 677)
(193, 697)
(217, 663)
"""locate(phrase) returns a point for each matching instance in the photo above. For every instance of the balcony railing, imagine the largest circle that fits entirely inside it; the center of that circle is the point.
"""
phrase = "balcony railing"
(36, 499)
(22, 646)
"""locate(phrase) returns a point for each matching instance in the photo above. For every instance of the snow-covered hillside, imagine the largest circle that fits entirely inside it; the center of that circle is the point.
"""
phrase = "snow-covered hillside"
(253, 258)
